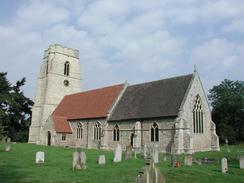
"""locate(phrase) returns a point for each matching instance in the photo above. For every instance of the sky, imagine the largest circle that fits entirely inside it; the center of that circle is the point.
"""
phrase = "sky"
(123, 40)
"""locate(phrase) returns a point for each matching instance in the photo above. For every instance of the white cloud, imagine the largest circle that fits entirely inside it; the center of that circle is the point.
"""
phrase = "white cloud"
(137, 40)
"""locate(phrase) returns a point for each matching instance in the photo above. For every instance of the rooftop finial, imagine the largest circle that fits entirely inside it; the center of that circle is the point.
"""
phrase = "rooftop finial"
(195, 68)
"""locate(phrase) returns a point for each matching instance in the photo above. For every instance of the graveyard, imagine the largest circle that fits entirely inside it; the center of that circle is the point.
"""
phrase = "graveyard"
(18, 165)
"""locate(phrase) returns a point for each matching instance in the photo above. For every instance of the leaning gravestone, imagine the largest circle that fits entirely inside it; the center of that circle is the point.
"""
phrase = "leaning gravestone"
(241, 162)
(118, 154)
(101, 160)
(40, 157)
(155, 153)
(224, 165)
(188, 161)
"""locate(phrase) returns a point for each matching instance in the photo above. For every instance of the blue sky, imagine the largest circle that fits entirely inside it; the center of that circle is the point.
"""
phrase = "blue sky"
(137, 41)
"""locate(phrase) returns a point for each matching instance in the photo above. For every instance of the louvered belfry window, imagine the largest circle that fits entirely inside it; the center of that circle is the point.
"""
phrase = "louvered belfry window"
(198, 115)
(66, 68)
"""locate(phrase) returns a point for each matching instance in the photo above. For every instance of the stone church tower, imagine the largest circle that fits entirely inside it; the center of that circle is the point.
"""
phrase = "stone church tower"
(59, 76)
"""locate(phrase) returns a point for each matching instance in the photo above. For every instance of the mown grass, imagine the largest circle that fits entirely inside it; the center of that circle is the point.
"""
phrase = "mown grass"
(18, 165)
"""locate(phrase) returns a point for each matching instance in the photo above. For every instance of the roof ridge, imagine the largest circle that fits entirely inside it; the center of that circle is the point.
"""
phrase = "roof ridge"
(174, 77)
(97, 89)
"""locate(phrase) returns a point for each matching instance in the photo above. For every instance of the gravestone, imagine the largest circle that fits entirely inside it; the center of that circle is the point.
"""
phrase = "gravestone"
(155, 153)
(150, 174)
(137, 136)
(165, 158)
(241, 162)
(7, 147)
(128, 152)
(227, 145)
(224, 165)
(101, 160)
(79, 161)
(8, 140)
(40, 157)
(188, 161)
(118, 154)
(145, 151)
(173, 156)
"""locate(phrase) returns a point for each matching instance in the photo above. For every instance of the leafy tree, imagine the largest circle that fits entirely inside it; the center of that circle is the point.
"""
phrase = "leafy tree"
(227, 100)
(15, 109)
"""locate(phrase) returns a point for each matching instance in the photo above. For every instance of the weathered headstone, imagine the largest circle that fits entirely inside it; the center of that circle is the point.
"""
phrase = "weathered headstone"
(155, 153)
(40, 157)
(118, 153)
(128, 152)
(173, 160)
(145, 151)
(137, 136)
(227, 145)
(188, 161)
(79, 161)
(224, 165)
(241, 162)
(8, 140)
(150, 174)
(83, 160)
(101, 160)
(7, 147)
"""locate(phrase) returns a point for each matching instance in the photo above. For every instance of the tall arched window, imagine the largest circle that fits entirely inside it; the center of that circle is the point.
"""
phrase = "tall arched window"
(116, 133)
(197, 115)
(79, 131)
(97, 131)
(66, 68)
(154, 133)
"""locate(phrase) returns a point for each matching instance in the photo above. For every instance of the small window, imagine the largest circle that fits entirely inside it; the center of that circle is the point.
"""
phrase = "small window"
(63, 137)
(97, 131)
(154, 133)
(79, 131)
(66, 68)
(116, 133)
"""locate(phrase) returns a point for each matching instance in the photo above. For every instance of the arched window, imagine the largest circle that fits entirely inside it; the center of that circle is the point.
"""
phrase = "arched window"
(97, 131)
(116, 133)
(79, 131)
(197, 115)
(154, 133)
(66, 68)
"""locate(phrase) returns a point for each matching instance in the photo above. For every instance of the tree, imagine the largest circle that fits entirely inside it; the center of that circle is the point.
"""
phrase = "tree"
(15, 109)
(227, 100)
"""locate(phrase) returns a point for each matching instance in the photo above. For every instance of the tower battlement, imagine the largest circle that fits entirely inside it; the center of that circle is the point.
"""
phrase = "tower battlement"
(57, 48)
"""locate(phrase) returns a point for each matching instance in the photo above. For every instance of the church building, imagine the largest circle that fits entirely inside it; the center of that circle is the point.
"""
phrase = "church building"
(163, 112)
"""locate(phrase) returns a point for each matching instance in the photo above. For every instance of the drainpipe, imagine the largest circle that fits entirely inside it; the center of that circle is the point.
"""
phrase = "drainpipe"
(87, 130)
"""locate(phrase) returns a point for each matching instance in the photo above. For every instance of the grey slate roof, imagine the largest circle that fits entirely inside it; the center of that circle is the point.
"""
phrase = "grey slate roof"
(154, 99)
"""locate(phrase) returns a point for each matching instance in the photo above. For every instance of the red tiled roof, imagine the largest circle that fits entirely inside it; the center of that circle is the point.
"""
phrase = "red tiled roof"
(61, 125)
(85, 105)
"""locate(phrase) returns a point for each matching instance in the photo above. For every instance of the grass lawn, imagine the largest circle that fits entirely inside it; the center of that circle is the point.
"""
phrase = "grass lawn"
(18, 165)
